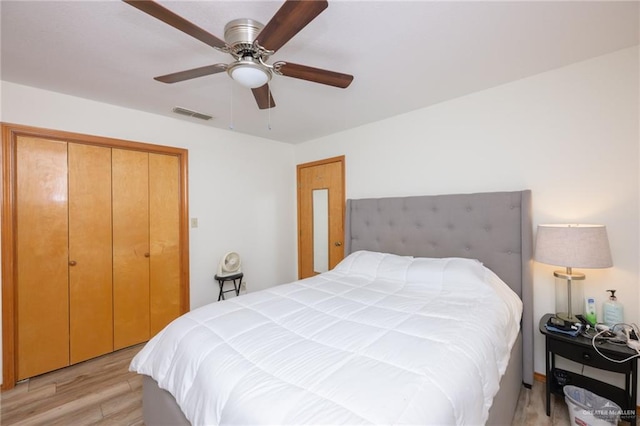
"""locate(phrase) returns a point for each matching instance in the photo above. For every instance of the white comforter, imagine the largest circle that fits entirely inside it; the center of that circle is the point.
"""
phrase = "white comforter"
(380, 339)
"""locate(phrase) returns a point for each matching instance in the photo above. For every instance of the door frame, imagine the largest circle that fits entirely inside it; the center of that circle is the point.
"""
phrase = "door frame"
(339, 159)
(10, 133)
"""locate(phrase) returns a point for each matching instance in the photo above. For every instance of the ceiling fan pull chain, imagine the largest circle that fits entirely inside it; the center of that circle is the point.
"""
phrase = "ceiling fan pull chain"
(231, 108)
(269, 112)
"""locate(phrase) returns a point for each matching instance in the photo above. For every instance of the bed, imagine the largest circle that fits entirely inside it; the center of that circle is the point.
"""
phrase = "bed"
(380, 306)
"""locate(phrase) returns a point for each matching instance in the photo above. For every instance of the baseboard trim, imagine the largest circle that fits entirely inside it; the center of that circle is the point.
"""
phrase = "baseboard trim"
(539, 377)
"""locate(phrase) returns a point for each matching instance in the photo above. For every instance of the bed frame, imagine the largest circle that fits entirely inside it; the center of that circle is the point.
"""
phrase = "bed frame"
(493, 227)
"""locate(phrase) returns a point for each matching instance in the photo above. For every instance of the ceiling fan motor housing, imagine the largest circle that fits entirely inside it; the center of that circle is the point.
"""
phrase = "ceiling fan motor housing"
(248, 69)
(239, 35)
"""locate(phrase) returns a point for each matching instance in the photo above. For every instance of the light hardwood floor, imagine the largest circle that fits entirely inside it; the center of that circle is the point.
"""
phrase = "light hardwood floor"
(102, 391)
(99, 391)
(531, 410)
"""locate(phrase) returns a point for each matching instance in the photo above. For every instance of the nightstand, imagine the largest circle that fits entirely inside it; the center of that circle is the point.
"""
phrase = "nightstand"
(579, 349)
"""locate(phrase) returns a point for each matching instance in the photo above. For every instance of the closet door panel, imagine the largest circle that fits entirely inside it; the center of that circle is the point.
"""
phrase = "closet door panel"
(90, 252)
(164, 221)
(41, 256)
(130, 198)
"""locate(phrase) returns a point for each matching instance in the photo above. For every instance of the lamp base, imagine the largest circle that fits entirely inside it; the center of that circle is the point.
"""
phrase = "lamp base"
(569, 276)
(565, 316)
(568, 302)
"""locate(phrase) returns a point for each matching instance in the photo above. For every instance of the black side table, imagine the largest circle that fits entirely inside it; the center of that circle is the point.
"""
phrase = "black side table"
(579, 349)
(236, 288)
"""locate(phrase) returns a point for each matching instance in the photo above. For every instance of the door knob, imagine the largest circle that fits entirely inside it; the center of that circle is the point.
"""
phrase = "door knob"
(147, 254)
(337, 243)
(72, 263)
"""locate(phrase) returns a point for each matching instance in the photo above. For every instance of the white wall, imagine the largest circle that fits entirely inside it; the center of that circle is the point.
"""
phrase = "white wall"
(570, 135)
(241, 188)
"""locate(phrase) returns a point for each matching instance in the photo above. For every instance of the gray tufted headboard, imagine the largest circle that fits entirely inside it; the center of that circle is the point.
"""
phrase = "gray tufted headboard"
(493, 227)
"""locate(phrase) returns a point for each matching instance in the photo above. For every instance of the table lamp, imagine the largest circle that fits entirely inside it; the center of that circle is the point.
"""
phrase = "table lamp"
(572, 246)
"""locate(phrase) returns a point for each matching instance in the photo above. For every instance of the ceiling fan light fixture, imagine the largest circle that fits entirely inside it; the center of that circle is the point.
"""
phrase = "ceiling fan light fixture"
(249, 73)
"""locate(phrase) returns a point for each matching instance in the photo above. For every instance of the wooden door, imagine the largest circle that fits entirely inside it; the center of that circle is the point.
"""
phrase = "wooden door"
(321, 204)
(42, 282)
(90, 252)
(164, 234)
(130, 198)
(41, 315)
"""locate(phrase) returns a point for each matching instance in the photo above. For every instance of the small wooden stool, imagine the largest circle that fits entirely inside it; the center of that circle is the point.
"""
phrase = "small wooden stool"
(223, 279)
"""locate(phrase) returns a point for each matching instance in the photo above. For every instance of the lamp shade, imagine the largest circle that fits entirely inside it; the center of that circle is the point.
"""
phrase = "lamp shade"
(573, 246)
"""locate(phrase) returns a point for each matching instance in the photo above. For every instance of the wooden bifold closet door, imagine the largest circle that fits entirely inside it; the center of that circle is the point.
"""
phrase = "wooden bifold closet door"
(164, 267)
(146, 244)
(90, 252)
(42, 253)
(64, 254)
(130, 247)
(98, 250)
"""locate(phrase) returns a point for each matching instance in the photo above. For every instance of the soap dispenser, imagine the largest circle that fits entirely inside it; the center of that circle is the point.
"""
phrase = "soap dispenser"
(612, 311)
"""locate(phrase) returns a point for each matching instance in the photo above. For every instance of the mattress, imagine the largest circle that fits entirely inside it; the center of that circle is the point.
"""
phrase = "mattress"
(380, 339)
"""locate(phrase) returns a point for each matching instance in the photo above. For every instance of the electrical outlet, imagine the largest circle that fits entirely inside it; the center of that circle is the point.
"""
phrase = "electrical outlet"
(194, 222)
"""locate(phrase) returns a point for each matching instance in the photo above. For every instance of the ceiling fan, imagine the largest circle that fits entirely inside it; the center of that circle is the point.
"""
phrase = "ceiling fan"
(251, 44)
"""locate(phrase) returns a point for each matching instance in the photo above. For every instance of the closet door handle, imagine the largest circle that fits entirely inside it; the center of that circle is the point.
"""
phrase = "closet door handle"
(147, 255)
(337, 244)
(72, 263)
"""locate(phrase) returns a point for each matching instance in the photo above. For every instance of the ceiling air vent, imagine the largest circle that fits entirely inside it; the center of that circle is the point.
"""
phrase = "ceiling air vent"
(190, 113)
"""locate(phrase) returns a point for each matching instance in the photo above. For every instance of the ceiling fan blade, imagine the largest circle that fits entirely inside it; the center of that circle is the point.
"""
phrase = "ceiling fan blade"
(315, 75)
(292, 16)
(192, 73)
(168, 17)
(263, 97)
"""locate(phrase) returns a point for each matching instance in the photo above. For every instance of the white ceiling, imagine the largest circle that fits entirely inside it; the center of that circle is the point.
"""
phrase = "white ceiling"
(404, 55)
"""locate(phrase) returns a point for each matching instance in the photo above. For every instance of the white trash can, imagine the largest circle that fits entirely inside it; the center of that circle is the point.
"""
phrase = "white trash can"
(587, 408)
